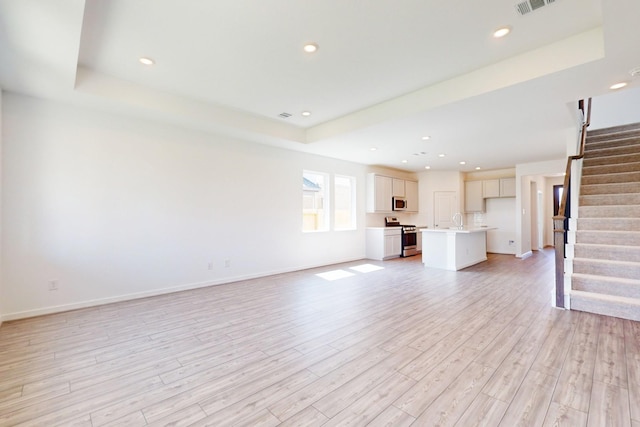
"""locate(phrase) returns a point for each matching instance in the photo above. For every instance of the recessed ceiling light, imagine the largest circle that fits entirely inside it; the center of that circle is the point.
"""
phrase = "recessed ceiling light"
(426, 137)
(501, 32)
(373, 149)
(306, 113)
(146, 61)
(463, 162)
(635, 72)
(618, 85)
(478, 168)
(310, 47)
(440, 155)
(427, 167)
(405, 161)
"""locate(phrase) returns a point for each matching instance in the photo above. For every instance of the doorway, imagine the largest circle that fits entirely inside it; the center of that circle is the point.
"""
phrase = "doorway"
(557, 196)
(558, 191)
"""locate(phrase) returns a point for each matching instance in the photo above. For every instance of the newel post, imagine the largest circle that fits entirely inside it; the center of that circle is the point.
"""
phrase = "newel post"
(559, 233)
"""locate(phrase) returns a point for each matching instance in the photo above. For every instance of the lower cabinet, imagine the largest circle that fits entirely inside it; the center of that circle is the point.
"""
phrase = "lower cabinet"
(384, 243)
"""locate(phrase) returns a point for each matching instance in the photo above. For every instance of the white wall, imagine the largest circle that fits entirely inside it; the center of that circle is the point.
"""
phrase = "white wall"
(500, 213)
(615, 109)
(2, 297)
(113, 207)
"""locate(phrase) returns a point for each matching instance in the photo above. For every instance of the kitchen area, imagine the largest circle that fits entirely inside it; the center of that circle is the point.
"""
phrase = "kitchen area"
(427, 217)
(391, 203)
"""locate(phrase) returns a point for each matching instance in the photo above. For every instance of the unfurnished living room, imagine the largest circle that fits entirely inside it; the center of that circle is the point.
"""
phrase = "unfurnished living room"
(286, 213)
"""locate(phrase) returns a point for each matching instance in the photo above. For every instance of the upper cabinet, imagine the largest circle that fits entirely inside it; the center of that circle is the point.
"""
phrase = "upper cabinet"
(490, 188)
(411, 193)
(477, 191)
(473, 196)
(381, 189)
(507, 187)
(398, 188)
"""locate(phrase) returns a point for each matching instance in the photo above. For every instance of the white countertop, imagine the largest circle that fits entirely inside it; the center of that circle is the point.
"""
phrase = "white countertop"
(457, 230)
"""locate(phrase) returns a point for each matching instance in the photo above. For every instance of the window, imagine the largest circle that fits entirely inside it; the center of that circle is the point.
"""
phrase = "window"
(315, 201)
(344, 193)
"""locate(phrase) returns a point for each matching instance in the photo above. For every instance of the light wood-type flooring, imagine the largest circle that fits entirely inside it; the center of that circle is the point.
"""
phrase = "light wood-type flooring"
(399, 346)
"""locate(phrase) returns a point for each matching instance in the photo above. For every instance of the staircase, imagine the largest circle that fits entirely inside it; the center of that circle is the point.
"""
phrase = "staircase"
(606, 265)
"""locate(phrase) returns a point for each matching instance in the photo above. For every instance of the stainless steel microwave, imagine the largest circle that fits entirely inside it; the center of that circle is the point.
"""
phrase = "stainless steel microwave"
(399, 204)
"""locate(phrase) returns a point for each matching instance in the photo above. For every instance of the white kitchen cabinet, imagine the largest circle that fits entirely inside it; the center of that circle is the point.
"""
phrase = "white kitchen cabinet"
(392, 245)
(379, 193)
(473, 197)
(398, 188)
(507, 187)
(411, 193)
(381, 190)
(384, 242)
(490, 188)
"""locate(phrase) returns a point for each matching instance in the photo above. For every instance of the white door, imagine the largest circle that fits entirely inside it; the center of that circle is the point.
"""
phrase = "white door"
(445, 204)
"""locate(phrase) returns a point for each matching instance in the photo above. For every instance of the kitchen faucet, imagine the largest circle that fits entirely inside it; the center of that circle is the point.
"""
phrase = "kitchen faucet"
(457, 220)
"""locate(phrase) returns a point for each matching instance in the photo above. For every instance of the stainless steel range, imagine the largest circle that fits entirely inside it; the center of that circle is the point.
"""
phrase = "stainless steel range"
(409, 236)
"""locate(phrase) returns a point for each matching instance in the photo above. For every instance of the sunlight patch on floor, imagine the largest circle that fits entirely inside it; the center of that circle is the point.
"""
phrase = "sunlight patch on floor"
(366, 268)
(335, 274)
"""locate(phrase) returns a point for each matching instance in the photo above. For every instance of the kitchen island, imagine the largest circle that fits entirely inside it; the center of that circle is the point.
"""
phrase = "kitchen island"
(454, 248)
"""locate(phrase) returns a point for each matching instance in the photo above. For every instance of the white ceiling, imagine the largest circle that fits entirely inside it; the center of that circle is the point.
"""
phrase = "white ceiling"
(386, 73)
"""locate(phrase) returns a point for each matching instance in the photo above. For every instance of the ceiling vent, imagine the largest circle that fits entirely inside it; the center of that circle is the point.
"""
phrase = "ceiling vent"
(284, 115)
(529, 6)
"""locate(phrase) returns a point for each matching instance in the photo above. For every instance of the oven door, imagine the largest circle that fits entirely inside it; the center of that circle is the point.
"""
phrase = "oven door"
(409, 243)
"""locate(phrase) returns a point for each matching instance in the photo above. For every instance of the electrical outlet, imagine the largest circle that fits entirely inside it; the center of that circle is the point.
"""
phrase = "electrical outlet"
(53, 285)
(227, 263)
(210, 267)
(511, 242)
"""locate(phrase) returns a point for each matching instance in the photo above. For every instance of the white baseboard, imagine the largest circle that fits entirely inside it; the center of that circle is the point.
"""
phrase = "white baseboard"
(155, 292)
(525, 255)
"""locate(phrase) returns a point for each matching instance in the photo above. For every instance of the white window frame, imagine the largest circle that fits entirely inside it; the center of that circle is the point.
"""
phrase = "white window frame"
(326, 202)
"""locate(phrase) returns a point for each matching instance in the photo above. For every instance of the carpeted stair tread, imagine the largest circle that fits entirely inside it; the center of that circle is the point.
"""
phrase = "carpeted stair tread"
(624, 238)
(608, 305)
(611, 178)
(614, 141)
(622, 287)
(610, 224)
(606, 268)
(594, 138)
(607, 252)
(631, 166)
(628, 129)
(610, 199)
(601, 160)
(610, 211)
(611, 151)
(610, 188)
